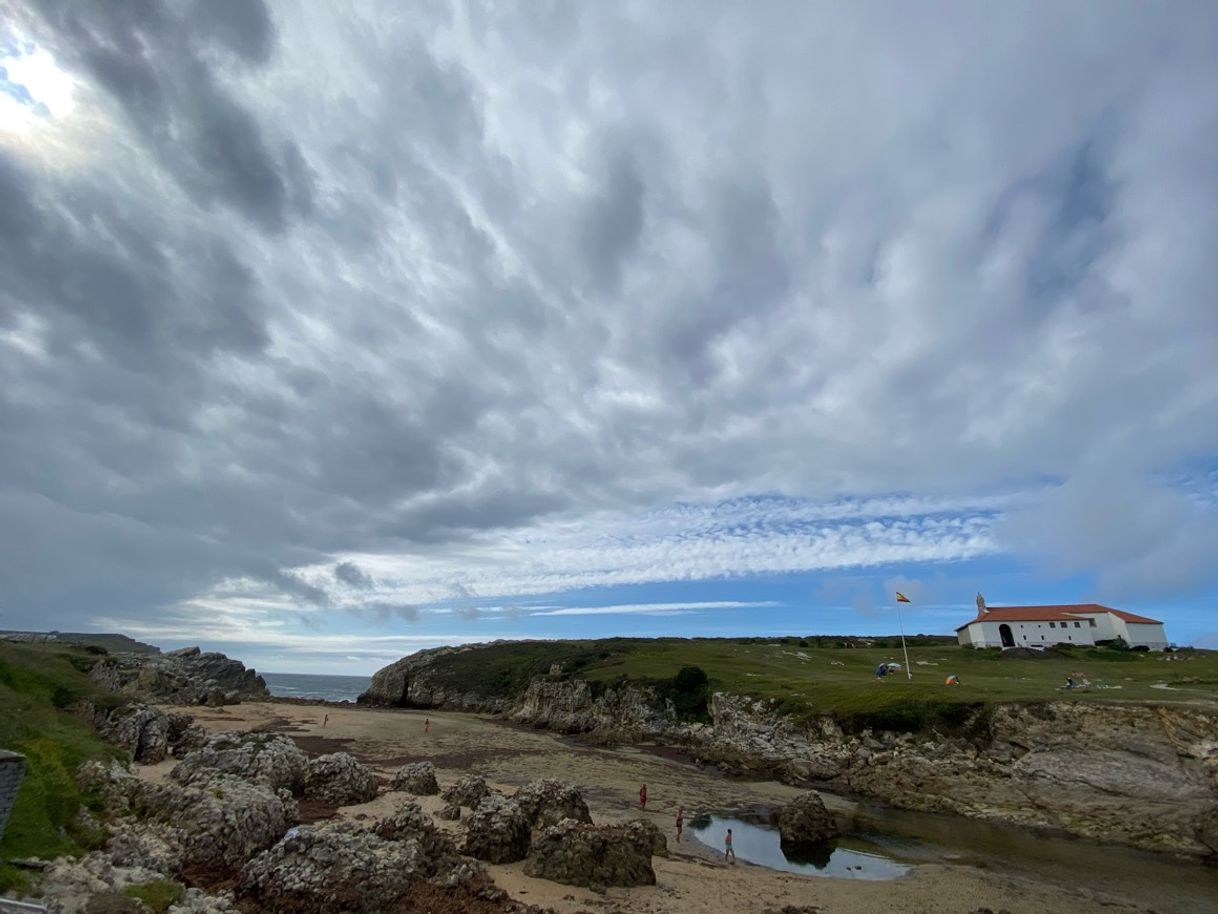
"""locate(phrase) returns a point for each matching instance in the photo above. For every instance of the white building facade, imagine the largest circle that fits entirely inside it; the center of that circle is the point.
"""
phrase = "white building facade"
(1043, 626)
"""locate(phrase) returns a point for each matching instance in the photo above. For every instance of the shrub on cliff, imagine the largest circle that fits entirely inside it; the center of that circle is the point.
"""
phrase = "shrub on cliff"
(690, 693)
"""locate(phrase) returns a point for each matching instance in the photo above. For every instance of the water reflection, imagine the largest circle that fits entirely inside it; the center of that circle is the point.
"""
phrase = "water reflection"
(845, 858)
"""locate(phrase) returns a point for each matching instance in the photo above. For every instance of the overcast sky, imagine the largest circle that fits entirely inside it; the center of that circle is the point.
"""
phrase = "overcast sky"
(328, 332)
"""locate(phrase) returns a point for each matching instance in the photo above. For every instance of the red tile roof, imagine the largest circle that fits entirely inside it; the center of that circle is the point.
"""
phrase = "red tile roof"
(1063, 612)
(1120, 614)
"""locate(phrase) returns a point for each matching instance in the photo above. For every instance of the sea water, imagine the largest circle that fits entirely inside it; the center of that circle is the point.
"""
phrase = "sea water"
(311, 685)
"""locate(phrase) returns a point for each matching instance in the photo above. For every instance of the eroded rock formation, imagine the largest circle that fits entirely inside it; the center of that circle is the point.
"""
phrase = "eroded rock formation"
(267, 758)
(547, 802)
(418, 778)
(188, 676)
(576, 853)
(339, 778)
(498, 831)
(805, 821)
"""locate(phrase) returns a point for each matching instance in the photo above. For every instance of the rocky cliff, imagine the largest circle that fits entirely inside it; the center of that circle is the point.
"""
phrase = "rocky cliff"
(1144, 776)
(414, 682)
(1136, 775)
(188, 676)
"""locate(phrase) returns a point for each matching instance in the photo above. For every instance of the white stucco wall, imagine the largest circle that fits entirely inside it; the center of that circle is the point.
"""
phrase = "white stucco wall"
(1105, 626)
(985, 633)
(988, 634)
(1137, 633)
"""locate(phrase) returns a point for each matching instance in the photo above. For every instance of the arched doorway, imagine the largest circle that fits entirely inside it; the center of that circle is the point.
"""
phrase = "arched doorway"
(1004, 632)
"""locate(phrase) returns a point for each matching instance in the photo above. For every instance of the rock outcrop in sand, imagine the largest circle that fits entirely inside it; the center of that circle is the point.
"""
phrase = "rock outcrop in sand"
(468, 791)
(267, 758)
(186, 677)
(147, 733)
(805, 821)
(498, 831)
(576, 853)
(409, 822)
(217, 821)
(418, 778)
(338, 778)
(548, 801)
(333, 867)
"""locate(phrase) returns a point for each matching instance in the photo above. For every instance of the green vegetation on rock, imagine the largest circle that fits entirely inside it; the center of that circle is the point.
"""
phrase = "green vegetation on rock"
(38, 683)
(157, 895)
(806, 677)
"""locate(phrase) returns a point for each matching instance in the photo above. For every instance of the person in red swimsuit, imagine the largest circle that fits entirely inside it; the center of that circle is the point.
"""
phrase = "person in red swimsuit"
(643, 797)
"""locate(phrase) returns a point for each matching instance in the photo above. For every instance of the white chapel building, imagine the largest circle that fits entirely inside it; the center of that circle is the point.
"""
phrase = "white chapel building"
(1042, 626)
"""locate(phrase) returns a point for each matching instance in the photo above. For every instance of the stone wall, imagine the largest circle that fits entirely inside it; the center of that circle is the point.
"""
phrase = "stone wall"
(12, 768)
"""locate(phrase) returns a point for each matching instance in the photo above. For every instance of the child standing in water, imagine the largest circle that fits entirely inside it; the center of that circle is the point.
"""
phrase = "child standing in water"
(727, 848)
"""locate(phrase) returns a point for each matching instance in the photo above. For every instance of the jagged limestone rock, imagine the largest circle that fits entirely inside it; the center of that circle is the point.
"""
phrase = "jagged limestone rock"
(217, 821)
(575, 853)
(498, 831)
(333, 867)
(339, 778)
(187, 676)
(410, 822)
(468, 791)
(547, 802)
(185, 734)
(418, 778)
(805, 821)
(141, 730)
(268, 758)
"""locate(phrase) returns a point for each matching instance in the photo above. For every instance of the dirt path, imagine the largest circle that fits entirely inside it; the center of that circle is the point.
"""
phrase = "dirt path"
(693, 879)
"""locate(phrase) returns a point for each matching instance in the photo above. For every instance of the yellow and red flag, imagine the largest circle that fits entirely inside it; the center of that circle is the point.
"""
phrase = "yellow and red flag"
(901, 598)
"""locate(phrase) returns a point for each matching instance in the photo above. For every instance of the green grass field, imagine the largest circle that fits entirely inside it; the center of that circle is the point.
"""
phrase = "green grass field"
(812, 675)
(38, 682)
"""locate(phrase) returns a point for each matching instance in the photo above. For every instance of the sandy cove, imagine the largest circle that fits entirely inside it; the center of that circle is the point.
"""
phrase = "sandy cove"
(694, 879)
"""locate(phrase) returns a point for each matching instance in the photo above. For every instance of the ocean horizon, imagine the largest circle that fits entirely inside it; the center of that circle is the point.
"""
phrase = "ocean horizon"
(314, 685)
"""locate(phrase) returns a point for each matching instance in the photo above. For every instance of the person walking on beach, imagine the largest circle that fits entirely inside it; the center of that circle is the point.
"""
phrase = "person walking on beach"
(325, 720)
(680, 822)
(426, 725)
(727, 848)
(643, 797)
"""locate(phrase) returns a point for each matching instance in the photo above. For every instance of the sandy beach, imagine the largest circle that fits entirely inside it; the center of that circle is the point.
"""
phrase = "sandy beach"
(694, 878)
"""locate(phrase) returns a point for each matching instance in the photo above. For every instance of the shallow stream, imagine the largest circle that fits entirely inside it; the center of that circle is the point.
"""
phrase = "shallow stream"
(884, 843)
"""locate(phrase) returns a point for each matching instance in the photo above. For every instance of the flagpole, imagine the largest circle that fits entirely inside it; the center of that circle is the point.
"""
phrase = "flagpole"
(905, 650)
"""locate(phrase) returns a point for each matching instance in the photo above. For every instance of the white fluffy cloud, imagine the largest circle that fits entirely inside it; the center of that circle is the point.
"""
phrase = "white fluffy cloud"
(423, 289)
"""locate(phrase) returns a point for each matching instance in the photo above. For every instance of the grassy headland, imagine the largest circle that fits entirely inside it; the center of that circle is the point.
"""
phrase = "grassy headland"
(821, 674)
(38, 684)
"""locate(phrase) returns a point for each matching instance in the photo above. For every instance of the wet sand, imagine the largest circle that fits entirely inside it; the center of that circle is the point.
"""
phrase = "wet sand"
(694, 879)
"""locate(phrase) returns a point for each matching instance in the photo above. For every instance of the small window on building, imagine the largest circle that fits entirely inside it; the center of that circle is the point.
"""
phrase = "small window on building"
(1076, 625)
(1042, 637)
(1091, 622)
(1052, 625)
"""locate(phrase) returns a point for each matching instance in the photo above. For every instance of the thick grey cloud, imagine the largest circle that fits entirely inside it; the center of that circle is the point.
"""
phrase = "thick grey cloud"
(352, 575)
(287, 284)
